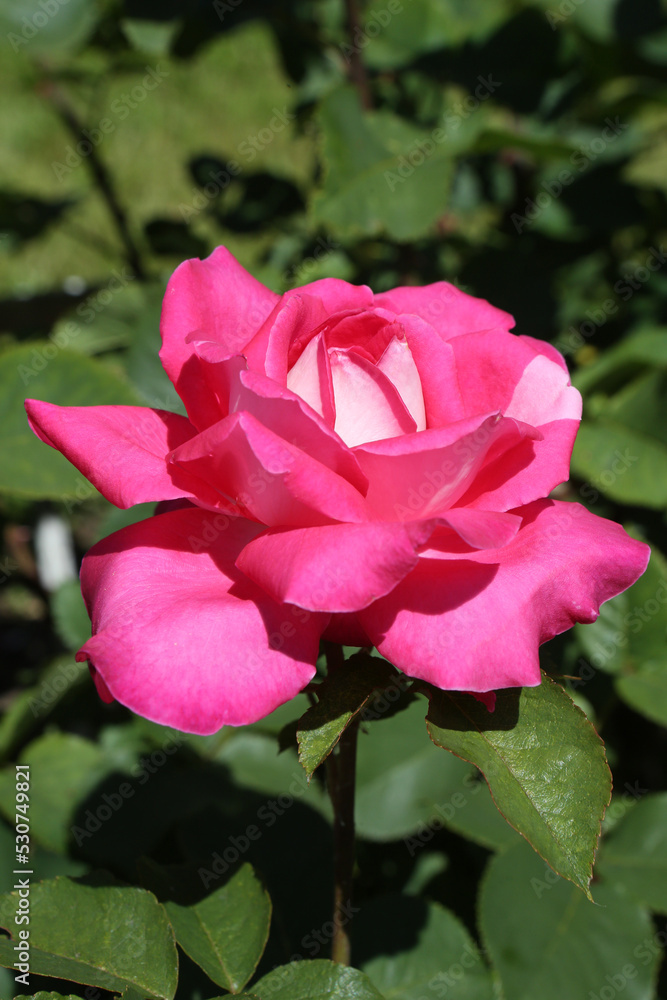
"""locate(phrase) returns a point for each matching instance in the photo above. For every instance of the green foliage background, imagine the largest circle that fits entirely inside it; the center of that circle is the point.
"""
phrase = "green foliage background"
(516, 148)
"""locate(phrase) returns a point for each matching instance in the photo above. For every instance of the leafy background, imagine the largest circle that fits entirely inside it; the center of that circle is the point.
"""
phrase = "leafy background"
(516, 148)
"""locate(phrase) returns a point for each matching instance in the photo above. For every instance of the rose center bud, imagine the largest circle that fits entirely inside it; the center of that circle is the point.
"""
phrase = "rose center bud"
(360, 376)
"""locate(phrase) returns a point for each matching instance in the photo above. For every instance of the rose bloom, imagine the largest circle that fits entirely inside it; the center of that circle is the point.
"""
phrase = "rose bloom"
(367, 469)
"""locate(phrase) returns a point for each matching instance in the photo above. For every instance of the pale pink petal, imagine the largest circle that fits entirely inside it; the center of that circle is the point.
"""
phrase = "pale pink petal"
(122, 450)
(217, 297)
(310, 378)
(424, 474)
(368, 406)
(287, 415)
(180, 636)
(338, 567)
(448, 310)
(398, 365)
(474, 623)
(267, 477)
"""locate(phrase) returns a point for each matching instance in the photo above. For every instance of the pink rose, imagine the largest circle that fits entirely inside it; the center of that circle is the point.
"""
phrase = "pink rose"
(370, 469)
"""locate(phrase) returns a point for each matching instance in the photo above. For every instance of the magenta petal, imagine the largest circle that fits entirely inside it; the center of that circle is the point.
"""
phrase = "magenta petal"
(422, 475)
(474, 623)
(121, 449)
(448, 310)
(277, 483)
(180, 636)
(217, 297)
(338, 567)
(287, 415)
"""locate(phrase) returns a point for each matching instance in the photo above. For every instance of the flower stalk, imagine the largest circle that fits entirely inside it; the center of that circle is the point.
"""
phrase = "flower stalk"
(341, 776)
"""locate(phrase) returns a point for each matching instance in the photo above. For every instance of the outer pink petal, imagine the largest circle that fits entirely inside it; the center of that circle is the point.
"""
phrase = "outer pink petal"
(276, 482)
(338, 567)
(499, 369)
(345, 567)
(218, 297)
(475, 623)
(336, 294)
(421, 475)
(122, 450)
(180, 636)
(448, 310)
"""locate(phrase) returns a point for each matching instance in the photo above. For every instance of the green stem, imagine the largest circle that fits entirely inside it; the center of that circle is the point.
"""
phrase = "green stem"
(341, 774)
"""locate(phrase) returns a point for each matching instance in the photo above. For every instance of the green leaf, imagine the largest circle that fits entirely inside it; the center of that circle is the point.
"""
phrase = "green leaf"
(423, 26)
(363, 192)
(42, 995)
(341, 696)
(152, 37)
(103, 935)
(226, 932)
(63, 31)
(626, 466)
(410, 948)
(41, 370)
(546, 941)
(69, 615)
(634, 855)
(404, 783)
(315, 980)
(646, 347)
(64, 768)
(646, 690)
(544, 763)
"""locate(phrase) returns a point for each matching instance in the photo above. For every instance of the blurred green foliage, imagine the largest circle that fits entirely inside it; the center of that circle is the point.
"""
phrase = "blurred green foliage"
(515, 147)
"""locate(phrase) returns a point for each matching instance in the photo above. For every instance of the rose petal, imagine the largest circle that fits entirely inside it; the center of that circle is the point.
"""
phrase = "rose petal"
(310, 378)
(287, 415)
(277, 483)
(181, 636)
(121, 449)
(398, 365)
(475, 623)
(448, 310)
(424, 474)
(368, 407)
(338, 567)
(218, 297)
(499, 369)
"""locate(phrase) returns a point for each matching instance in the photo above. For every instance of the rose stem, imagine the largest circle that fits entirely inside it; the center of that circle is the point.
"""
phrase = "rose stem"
(357, 68)
(341, 773)
(100, 174)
